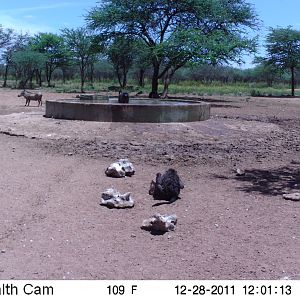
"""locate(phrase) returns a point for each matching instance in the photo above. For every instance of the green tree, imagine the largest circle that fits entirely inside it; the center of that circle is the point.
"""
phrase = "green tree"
(142, 60)
(6, 36)
(82, 49)
(264, 71)
(179, 31)
(121, 54)
(283, 51)
(52, 46)
(7, 40)
(27, 63)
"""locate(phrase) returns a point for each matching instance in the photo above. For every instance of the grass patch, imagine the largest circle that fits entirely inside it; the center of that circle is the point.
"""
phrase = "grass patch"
(181, 87)
(233, 89)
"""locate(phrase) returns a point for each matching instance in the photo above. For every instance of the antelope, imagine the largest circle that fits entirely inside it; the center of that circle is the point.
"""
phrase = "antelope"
(31, 96)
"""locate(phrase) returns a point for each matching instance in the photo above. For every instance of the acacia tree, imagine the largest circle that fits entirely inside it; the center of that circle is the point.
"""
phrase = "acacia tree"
(7, 42)
(6, 35)
(52, 46)
(18, 43)
(178, 31)
(142, 61)
(27, 63)
(82, 49)
(121, 55)
(264, 71)
(283, 51)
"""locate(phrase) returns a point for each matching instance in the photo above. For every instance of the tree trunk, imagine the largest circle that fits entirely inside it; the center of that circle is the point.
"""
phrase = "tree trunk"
(39, 77)
(82, 85)
(154, 91)
(82, 75)
(64, 71)
(31, 79)
(124, 78)
(293, 81)
(82, 80)
(142, 78)
(83, 72)
(5, 76)
(167, 79)
(119, 79)
(48, 74)
(92, 73)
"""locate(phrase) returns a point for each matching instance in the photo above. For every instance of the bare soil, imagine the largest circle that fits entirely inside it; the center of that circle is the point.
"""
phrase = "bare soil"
(229, 227)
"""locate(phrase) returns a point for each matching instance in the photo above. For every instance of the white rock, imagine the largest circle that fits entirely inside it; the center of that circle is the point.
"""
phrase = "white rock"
(240, 172)
(115, 170)
(160, 222)
(293, 196)
(113, 199)
(121, 168)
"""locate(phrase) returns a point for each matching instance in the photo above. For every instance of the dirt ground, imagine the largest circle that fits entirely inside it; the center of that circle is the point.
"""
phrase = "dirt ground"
(229, 227)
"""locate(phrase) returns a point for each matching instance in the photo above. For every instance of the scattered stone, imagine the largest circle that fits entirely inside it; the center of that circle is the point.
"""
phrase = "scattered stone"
(291, 277)
(3, 251)
(113, 199)
(121, 168)
(162, 223)
(170, 157)
(293, 196)
(133, 143)
(240, 172)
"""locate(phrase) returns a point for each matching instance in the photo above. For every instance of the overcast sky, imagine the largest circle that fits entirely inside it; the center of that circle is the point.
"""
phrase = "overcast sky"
(35, 16)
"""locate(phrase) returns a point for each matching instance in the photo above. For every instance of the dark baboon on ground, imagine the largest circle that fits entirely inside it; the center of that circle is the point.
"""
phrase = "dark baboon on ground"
(123, 97)
(166, 186)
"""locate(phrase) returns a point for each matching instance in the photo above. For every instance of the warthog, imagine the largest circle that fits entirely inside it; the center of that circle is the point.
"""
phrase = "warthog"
(31, 96)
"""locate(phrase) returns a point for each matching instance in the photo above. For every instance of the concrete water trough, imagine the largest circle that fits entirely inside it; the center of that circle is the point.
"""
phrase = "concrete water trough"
(137, 110)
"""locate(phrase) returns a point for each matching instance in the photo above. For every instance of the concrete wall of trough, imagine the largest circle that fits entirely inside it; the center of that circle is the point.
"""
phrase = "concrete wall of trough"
(139, 113)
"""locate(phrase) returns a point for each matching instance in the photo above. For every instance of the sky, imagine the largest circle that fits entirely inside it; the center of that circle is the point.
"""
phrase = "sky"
(273, 13)
(35, 16)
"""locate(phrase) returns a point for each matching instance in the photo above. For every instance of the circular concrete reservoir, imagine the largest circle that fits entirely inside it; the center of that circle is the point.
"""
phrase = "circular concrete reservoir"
(137, 110)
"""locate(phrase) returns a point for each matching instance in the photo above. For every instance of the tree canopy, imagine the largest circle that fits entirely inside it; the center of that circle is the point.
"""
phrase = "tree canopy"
(283, 50)
(121, 54)
(52, 46)
(6, 35)
(79, 42)
(26, 63)
(175, 32)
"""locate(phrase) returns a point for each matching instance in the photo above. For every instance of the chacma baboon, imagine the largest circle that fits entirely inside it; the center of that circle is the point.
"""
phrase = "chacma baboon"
(123, 97)
(166, 186)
